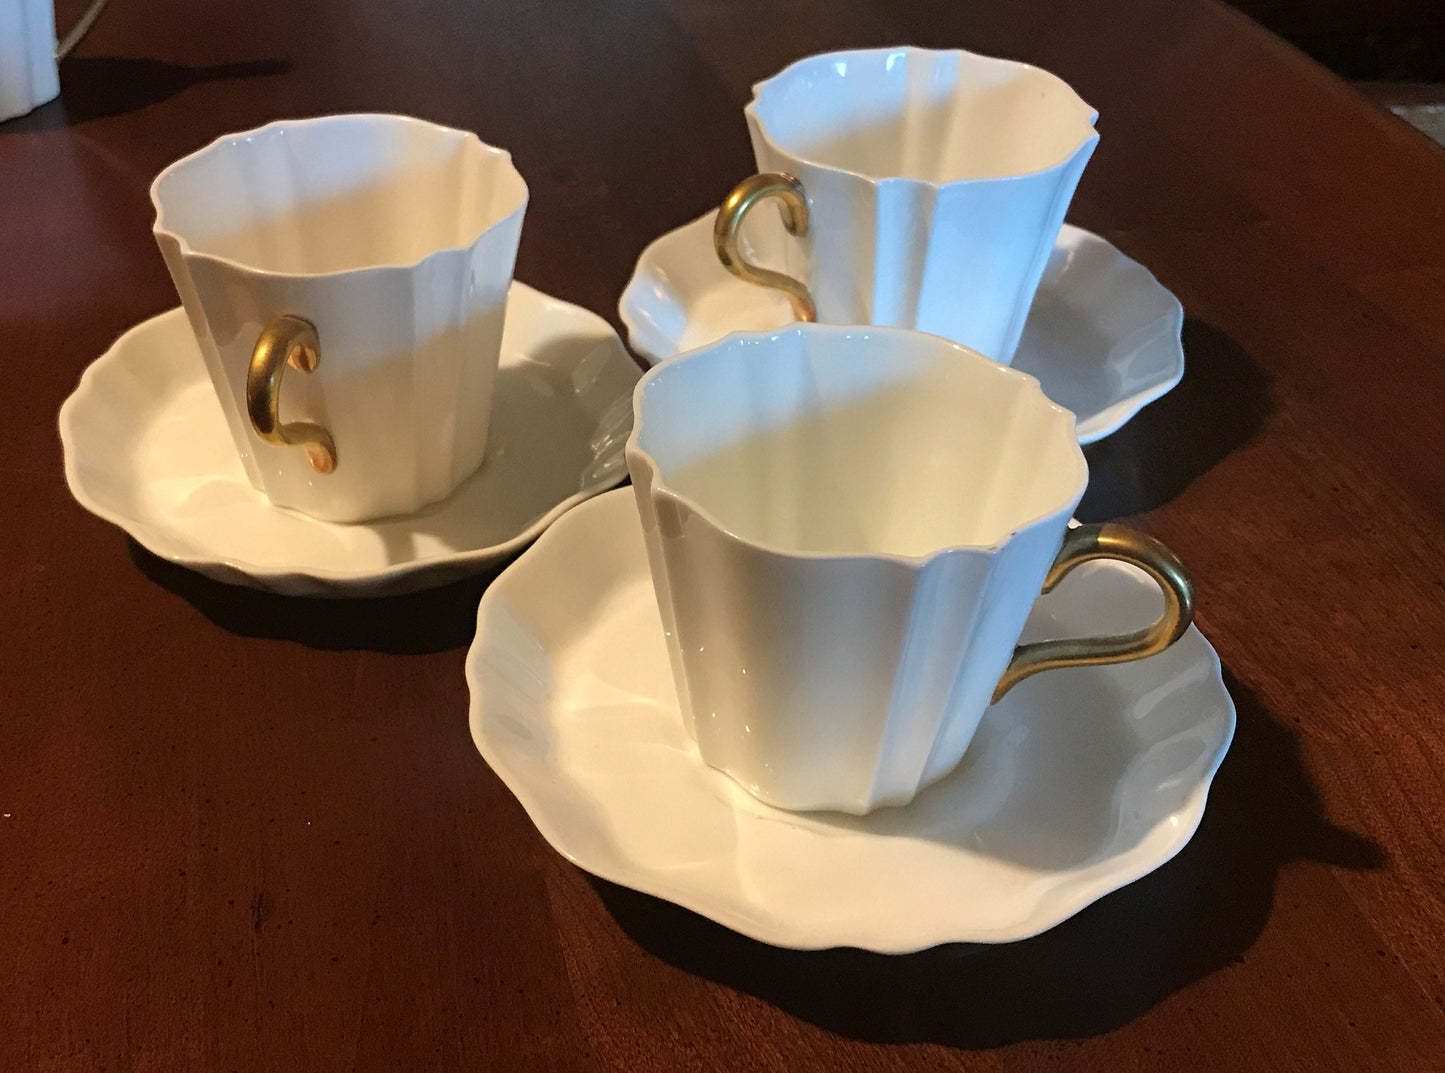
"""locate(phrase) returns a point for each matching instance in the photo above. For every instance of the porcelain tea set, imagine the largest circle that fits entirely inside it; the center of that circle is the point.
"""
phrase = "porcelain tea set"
(800, 677)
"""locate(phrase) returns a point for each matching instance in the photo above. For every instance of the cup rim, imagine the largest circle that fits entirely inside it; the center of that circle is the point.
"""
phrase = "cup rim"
(187, 250)
(750, 111)
(987, 366)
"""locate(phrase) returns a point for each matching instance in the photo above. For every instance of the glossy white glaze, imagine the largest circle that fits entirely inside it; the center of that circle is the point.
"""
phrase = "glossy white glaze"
(936, 185)
(847, 528)
(394, 237)
(146, 447)
(28, 73)
(1102, 336)
(1077, 782)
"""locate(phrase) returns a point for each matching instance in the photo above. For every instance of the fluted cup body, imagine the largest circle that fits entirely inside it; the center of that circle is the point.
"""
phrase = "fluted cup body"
(28, 73)
(846, 530)
(396, 239)
(936, 182)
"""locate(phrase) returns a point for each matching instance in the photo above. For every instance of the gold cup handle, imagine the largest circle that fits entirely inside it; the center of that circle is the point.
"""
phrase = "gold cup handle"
(79, 30)
(1130, 546)
(795, 218)
(287, 340)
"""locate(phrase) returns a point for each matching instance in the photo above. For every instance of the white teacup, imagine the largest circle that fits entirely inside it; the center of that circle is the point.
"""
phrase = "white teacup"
(847, 529)
(29, 54)
(372, 252)
(926, 189)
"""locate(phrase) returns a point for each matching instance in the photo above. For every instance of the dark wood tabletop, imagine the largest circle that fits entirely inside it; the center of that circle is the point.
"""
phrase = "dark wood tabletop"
(247, 832)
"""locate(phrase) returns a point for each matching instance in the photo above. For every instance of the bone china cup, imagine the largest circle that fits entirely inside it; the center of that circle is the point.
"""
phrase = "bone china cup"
(846, 530)
(346, 278)
(29, 54)
(926, 190)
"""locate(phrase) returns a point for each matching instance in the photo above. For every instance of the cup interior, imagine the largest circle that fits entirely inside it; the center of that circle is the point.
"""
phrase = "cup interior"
(338, 193)
(846, 441)
(938, 117)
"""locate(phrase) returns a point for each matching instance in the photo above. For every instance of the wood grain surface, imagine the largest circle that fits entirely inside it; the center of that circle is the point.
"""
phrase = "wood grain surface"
(242, 832)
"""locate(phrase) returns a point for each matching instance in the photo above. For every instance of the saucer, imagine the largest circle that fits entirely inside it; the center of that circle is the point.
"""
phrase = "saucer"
(147, 448)
(1102, 337)
(1078, 782)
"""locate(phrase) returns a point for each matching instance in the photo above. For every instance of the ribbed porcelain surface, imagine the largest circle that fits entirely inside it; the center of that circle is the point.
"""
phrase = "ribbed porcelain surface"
(936, 182)
(846, 529)
(396, 238)
(28, 74)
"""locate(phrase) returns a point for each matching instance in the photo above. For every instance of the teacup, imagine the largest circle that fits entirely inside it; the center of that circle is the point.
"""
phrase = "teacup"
(846, 530)
(371, 253)
(926, 190)
(29, 54)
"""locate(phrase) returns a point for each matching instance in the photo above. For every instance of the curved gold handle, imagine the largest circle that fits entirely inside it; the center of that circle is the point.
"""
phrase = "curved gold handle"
(1130, 546)
(795, 218)
(79, 30)
(287, 340)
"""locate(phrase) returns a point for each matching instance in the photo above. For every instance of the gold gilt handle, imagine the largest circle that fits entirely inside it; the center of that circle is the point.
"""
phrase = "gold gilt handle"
(1130, 546)
(287, 340)
(795, 217)
(79, 30)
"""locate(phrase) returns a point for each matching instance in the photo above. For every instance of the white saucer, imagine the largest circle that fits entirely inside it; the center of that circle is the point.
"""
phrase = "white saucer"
(146, 447)
(1102, 337)
(1079, 781)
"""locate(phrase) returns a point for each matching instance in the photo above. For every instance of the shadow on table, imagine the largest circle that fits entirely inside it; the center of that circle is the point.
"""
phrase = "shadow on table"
(101, 86)
(1093, 973)
(1221, 403)
(435, 620)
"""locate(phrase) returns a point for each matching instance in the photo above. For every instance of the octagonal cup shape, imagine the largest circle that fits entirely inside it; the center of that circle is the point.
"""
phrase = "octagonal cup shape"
(371, 256)
(846, 530)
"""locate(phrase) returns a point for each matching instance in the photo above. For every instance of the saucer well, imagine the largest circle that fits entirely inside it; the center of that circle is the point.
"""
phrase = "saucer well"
(1102, 336)
(1078, 781)
(146, 447)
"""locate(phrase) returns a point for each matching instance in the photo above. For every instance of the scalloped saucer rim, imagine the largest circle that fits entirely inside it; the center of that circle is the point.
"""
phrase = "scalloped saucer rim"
(1103, 336)
(572, 705)
(563, 369)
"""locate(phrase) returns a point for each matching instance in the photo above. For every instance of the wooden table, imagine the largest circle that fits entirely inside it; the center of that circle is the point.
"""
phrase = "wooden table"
(243, 832)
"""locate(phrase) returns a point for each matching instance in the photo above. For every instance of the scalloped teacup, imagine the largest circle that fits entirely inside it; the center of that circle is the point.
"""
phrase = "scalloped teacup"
(846, 530)
(926, 190)
(372, 252)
